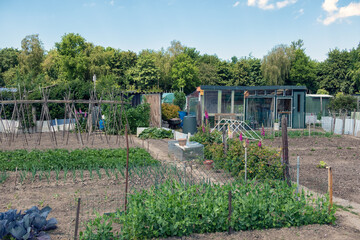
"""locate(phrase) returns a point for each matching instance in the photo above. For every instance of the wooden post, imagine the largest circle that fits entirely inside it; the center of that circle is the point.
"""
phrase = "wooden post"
(344, 119)
(330, 185)
(285, 148)
(224, 140)
(230, 211)
(354, 123)
(77, 220)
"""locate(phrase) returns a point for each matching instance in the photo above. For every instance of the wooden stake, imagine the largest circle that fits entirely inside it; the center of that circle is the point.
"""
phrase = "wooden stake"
(230, 211)
(285, 148)
(330, 185)
(77, 220)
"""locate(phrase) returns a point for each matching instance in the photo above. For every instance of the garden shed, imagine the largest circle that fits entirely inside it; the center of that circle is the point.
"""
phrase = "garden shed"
(258, 105)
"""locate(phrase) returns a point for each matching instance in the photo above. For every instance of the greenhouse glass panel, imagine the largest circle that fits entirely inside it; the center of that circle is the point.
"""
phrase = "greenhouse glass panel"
(226, 102)
(239, 102)
(260, 111)
(211, 101)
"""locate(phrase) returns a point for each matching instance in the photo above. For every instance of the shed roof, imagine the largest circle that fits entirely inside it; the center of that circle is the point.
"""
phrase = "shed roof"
(244, 88)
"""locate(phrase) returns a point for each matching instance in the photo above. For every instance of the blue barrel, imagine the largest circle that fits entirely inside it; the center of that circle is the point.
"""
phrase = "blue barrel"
(189, 124)
(182, 114)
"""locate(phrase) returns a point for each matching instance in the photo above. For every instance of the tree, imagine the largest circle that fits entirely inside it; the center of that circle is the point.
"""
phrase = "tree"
(185, 73)
(145, 75)
(8, 60)
(31, 55)
(74, 61)
(342, 103)
(333, 73)
(276, 65)
(302, 69)
(175, 48)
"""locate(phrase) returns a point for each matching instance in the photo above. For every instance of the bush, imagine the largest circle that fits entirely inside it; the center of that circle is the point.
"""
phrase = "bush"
(262, 162)
(180, 100)
(138, 116)
(173, 209)
(169, 111)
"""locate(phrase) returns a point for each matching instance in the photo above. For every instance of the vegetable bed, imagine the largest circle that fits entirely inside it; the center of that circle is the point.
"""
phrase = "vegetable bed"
(173, 209)
(60, 159)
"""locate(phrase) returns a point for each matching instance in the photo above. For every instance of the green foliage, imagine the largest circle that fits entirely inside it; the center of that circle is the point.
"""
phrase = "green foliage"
(145, 75)
(156, 133)
(169, 111)
(342, 102)
(179, 100)
(276, 65)
(262, 163)
(99, 228)
(77, 159)
(322, 164)
(185, 73)
(322, 91)
(138, 116)
(173, 209)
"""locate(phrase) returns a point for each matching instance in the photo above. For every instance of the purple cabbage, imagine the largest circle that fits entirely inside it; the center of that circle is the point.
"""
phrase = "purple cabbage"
(29, 225)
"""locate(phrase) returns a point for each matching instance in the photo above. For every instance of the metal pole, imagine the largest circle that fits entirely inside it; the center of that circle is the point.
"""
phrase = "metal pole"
(77, 220)
(297, 174)
(127, 166)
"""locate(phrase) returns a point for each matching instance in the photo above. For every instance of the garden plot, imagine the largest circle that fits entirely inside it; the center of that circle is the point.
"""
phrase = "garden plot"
(341, 153)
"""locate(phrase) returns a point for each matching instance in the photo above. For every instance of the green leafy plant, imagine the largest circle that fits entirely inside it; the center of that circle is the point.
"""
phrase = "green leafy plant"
(156, 133)
(99, 228)
(322, 164)
(175, 209)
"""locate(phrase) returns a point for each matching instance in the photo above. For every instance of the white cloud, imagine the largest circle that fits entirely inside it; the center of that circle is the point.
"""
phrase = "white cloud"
(285, 3)
(112, 2)
(299, 13)
(330, 5)
(268, 5)
(334, 12)
(236, 4)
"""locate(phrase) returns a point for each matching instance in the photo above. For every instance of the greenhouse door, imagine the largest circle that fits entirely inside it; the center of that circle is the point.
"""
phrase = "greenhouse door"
(299, 111)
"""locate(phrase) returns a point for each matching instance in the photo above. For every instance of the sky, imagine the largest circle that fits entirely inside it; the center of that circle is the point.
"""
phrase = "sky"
(223, 27)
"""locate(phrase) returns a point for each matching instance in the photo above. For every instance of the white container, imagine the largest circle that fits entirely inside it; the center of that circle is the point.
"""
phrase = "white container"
(276, 126)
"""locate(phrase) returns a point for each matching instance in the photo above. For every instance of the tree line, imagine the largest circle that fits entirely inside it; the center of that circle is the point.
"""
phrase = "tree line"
(73, 62)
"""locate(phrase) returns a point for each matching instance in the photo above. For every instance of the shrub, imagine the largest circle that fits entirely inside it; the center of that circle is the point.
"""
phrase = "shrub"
(180, 99)
(169, 111)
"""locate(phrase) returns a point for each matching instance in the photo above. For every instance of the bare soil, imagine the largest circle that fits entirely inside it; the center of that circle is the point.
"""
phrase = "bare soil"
(106, 194)
(341, 153)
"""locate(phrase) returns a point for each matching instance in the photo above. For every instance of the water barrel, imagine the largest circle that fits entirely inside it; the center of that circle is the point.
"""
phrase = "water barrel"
(182, 114)
(189, 124)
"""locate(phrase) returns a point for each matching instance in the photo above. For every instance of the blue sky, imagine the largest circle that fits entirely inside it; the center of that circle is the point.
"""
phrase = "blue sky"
(223, 27)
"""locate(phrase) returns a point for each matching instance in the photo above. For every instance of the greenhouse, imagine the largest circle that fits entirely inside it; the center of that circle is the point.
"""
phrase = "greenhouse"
(317, 104)
(257, 105)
